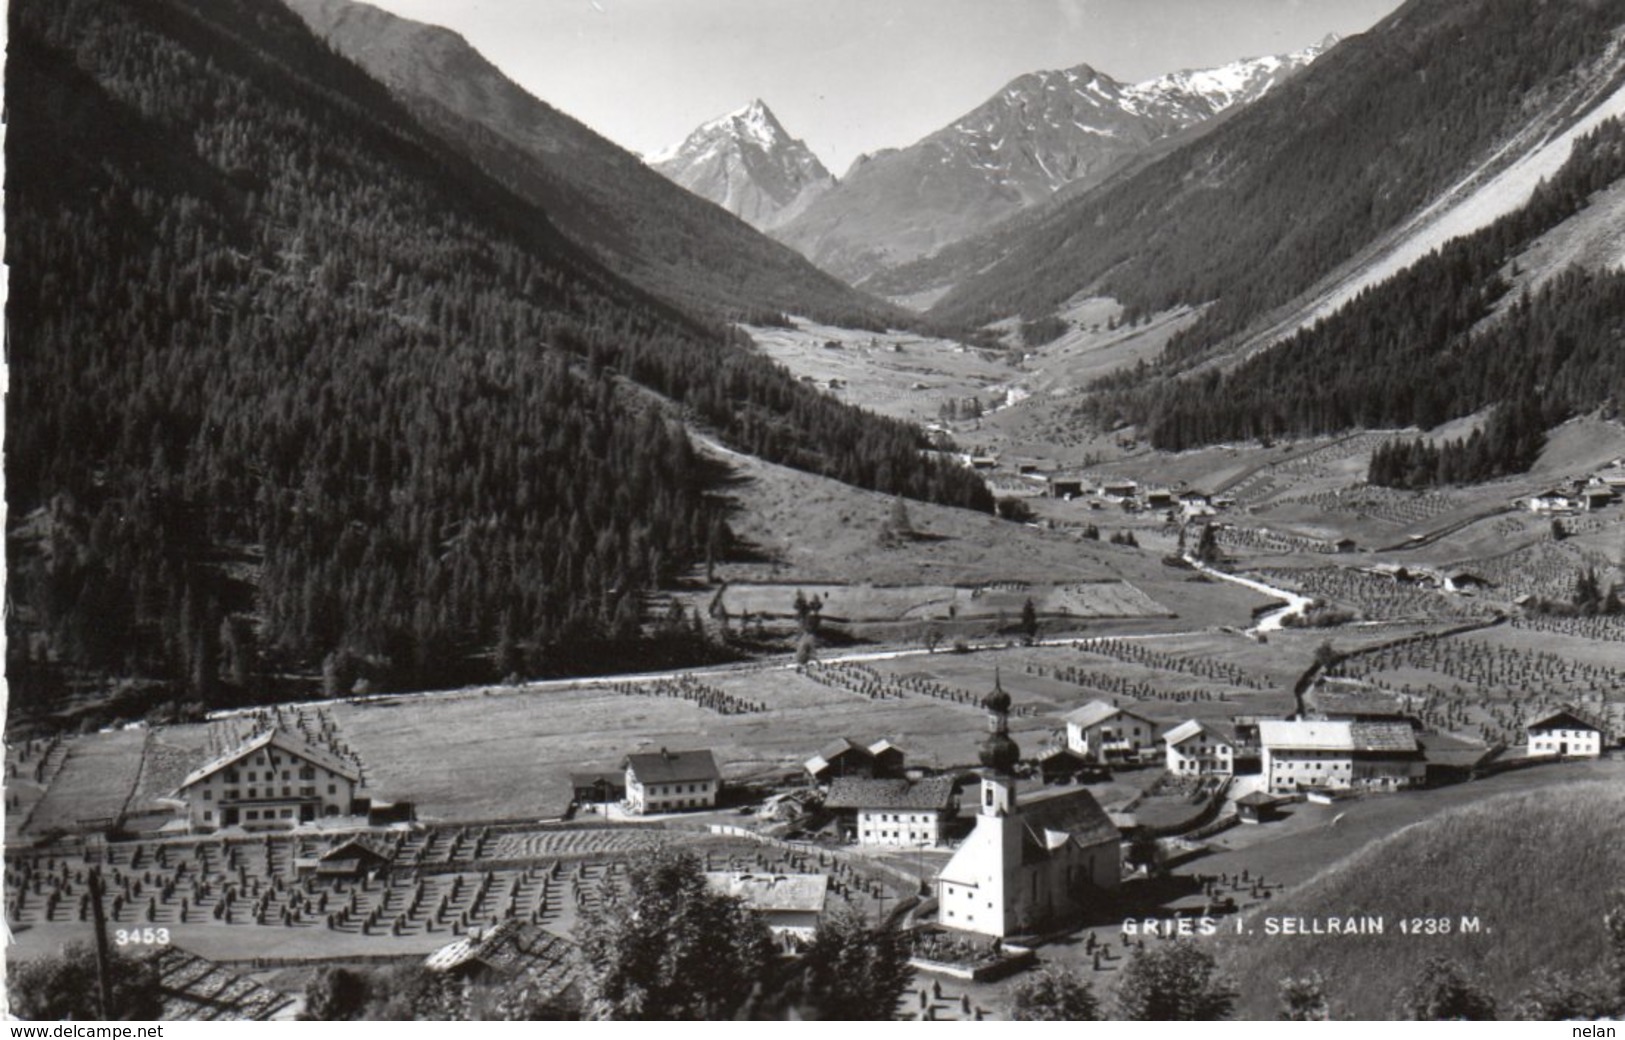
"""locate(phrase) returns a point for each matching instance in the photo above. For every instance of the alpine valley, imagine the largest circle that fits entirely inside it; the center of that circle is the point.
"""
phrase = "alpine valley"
(1175, 506)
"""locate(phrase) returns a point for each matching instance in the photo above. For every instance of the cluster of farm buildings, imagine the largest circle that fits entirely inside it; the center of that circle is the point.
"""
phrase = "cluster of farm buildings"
(1583, 494)
(1040, 851)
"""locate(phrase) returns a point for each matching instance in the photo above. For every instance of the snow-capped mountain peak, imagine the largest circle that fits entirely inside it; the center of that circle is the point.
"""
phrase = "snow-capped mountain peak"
(746, 162)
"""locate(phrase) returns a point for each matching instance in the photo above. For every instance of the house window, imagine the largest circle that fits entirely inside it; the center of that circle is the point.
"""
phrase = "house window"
(252, 790)
(332, 788)
(208, 814)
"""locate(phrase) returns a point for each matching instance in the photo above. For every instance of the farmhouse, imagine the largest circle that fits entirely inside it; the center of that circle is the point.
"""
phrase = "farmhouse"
(1553, 501)
(1064, 487)
(665, 780)
(1106, 734)
(1159, 498)
(1567, 732)
(1201, 749)
(789, 904)
(1304, 755)
(1596, 496)
(275, 779)
(1027, 868)
(846, 757)
(909, 813)
(1059, 762)
(1118, 490)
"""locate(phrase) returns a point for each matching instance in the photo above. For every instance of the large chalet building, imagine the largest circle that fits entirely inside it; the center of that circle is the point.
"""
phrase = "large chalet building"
(1322, 755)
(273, 780)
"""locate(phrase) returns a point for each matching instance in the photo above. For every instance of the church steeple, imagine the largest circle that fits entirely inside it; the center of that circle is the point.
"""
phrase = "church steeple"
(999, 754)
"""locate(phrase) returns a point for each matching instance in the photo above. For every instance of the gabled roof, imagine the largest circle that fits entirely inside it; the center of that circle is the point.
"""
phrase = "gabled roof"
(360, 846)
(281, 741)
(547, 961)
(856, 792)
(882, 746)
(1051, 821)
(1096, 712)
(1055, 751)
(1190, 728)
(673, 767)
(1317, 735)
(770, 893)
(1568, 717)
(841, 746)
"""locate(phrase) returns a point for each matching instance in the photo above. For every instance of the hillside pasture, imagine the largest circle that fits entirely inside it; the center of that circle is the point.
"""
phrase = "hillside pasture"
(867, 603)
(95, 780)
(1532, 868)
(898, 374)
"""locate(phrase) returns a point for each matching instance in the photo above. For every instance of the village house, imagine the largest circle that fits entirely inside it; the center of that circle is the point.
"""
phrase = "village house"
(789, 904)
(276, 779)
(1108, 735)
(1118, 490)
(1201, 749)
(1059, 762)
(1554, 500)
(662, 781)
(1027, 868)
(846, 757)
(906, 813)
(1567, 733)
(1595, 496)
(1319, 755)
(1064, 486)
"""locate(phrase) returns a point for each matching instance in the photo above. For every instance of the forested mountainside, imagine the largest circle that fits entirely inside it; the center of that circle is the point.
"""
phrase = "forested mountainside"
(602, 197)
(1436, 342)
(1257, 211)
(292, 381)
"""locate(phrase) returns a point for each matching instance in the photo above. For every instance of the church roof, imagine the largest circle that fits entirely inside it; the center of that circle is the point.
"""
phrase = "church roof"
(1052, 820)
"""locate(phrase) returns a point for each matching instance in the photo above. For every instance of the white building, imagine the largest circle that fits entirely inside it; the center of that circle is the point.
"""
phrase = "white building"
(275, 779)
(1106, 734)
(1200, 749)
(1027, 869)
(1567, 733)
(903, 813)
(1302, 755)
(1553, 501)
(662, 781)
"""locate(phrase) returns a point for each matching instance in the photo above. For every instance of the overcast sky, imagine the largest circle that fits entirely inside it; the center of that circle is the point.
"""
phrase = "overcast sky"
(851, 76)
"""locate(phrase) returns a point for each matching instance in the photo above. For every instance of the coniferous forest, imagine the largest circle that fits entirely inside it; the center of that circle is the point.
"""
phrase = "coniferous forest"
(1442, 339)
(294, 386)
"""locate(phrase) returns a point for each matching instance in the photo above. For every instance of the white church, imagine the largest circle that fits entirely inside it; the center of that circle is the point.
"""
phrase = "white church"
(1027, 868)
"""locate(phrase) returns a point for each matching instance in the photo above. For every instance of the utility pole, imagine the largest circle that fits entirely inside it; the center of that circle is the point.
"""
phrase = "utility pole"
(103, 976)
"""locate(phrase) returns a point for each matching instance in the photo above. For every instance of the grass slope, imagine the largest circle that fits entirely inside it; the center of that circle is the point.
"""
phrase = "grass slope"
(1534, 868)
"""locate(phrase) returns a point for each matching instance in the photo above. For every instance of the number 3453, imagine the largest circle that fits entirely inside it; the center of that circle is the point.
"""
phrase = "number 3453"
(141, 937)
